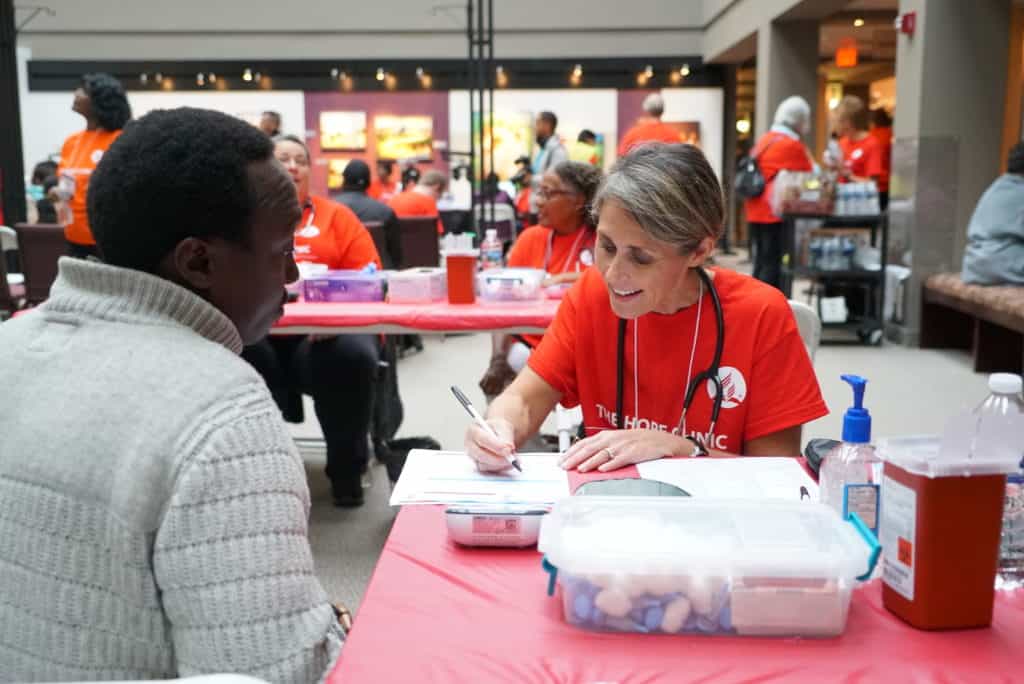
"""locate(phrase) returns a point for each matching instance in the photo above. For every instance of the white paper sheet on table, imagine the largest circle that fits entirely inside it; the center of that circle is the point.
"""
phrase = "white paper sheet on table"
(450, 477)
(733, 478)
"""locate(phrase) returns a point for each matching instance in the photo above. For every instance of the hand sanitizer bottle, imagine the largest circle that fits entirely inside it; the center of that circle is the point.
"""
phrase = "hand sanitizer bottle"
(851, 473)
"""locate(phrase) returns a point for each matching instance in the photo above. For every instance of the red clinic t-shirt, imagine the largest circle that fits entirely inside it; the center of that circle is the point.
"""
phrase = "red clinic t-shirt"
(769, 383)
(329, 233)
(78, 159)
(412, 203)
(649, 131)
(569, 254)
(883, 134)
(862, 158)
(775, 151)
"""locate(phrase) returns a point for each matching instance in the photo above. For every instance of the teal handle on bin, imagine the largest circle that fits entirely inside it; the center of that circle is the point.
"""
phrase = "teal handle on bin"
(552, 574)
(870, 539)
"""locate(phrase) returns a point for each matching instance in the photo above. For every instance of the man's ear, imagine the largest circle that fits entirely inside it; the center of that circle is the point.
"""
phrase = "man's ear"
(191, 261)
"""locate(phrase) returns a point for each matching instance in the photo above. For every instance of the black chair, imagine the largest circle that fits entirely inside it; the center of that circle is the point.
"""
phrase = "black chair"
(40, 246)
(420, 246)
(376, 230)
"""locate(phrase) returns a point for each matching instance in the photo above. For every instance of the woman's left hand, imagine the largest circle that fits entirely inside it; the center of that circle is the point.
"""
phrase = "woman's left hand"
(613, 449)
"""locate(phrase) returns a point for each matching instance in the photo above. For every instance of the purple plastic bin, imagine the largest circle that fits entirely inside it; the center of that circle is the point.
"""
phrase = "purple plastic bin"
(344, 286)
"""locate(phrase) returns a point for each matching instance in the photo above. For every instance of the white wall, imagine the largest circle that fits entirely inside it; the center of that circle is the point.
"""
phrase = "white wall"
(704, 105)
(595, 109)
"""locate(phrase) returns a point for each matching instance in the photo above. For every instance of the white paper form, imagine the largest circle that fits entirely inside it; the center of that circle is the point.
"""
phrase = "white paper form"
(451, 477)
(754, 477)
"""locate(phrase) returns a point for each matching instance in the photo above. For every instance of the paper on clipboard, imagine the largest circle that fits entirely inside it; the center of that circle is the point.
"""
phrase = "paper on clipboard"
(451, 477)
(733, 478)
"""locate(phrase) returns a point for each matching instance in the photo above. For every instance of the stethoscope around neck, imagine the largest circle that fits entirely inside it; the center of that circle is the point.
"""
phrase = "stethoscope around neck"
(709, 375)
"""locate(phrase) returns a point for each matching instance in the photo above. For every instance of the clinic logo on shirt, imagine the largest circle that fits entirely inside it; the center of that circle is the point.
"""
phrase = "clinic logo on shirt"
(734, 387)
(309, 232)
(96, 156)
(587, 257)
(857, 153)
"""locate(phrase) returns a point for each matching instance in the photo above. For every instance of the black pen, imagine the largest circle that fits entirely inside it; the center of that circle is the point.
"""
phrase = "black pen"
(466, 404)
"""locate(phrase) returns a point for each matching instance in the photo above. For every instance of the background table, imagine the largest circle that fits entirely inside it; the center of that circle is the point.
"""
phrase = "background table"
(319, 318)
(435, 612)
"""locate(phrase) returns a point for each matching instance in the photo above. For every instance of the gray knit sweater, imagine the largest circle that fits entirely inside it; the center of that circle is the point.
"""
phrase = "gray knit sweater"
(153, 510)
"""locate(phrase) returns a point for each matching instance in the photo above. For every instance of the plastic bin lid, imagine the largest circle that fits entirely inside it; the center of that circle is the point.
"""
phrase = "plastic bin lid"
(668, 535)
(965, 449)
(342, 274)
(415, 273)
(532, 275)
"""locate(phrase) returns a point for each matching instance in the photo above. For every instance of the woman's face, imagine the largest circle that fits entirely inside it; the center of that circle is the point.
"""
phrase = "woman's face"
(642, 274)
(82, 104)
(294, 158)
(559, 205)
(844, 126)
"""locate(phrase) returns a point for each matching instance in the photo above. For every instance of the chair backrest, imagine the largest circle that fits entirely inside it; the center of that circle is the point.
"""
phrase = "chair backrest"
(40, 245)
(376, 230)
(809, 325)
(8, 239)
(420, 246)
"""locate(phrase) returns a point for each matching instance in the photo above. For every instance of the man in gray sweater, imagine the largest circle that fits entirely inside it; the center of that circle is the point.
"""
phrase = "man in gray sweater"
(153, 510)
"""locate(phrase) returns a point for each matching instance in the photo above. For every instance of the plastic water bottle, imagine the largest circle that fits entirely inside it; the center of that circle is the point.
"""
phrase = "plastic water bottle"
(851, 472)
(490, 251)
(1006, 399)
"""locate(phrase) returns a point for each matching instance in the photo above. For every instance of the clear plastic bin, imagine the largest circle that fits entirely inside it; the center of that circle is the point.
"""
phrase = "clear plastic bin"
(665, 565)
(510, 284)
(344, 286)
(417, 285)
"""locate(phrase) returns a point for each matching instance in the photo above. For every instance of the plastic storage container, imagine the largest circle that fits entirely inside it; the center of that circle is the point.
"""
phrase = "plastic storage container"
(510, 284)
(344, 286)
(665, 565)
(415, 285)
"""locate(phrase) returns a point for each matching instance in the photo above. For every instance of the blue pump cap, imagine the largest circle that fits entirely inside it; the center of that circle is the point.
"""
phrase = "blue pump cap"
(856, 420)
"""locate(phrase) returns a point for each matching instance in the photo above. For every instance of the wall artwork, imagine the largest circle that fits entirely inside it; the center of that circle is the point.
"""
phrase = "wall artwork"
(342, 130)
(404, 137)
(335, 167)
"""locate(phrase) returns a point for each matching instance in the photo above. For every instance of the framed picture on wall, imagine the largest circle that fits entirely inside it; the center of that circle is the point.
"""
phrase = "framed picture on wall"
(342, 131)
(404, 137)
(335, 167)
(689, 131)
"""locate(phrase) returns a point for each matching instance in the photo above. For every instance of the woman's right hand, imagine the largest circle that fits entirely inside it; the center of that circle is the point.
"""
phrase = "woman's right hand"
(490, 453)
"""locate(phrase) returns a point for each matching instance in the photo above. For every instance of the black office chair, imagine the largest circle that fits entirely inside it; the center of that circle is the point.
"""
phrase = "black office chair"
(40, 246)
(420, 246)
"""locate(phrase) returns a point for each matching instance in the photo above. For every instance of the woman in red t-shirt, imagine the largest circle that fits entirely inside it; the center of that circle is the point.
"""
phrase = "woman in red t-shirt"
(338, 371)
(649, 309)
(862, 155)
(562, 245)
(881, 130)
(778, 149)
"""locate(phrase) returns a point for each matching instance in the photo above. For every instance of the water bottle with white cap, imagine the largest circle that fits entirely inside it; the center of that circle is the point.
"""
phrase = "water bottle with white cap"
(1006, 399)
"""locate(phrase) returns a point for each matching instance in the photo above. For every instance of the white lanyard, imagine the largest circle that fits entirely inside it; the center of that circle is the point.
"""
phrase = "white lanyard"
(572, 252)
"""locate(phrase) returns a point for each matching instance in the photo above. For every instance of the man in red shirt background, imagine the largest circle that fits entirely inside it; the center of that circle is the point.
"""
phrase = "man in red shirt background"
(882, 132)
(649, 128)
(421, 199)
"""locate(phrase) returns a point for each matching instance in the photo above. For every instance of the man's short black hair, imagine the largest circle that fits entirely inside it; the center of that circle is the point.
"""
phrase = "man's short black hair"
(550, 118)
(43, 170)
(109, 101)
(174, 174)
(1015, 159)
(587, 136)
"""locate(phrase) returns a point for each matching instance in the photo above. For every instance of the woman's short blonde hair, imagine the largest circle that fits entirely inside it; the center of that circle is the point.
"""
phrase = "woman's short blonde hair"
(851, 108)
(670, 190)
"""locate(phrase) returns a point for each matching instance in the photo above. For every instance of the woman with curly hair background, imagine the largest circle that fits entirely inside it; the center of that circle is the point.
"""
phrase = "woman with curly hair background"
(101, 100)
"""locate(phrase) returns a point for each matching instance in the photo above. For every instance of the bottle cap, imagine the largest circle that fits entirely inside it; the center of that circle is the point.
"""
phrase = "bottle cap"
(1005, 383)
(856, 420)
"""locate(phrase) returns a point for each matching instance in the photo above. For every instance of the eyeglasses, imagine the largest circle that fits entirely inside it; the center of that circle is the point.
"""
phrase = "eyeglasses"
(544, 193)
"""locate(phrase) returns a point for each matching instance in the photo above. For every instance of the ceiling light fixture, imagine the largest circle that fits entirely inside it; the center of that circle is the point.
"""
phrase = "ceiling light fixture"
(247, 75)
(858, 22)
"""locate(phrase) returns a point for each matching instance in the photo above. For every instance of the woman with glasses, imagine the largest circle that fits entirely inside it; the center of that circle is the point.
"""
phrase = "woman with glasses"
(562, 244)
(339, 372)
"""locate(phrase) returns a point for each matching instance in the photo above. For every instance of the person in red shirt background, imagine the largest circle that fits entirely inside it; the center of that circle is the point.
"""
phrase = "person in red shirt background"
(649, 128)
(779, 148)
(862, 155)
(338, 371)
(562, 245)
(649, 307)
(421, 199)
(102, 102)
(384, 187)
(881, 130)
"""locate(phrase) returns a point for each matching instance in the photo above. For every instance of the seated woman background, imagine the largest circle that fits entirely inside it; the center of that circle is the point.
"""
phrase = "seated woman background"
(562, 244)
(338, 371)
(660, 213)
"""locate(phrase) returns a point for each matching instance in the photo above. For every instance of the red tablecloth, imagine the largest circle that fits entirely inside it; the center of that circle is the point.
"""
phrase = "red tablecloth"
(435, 612)
(437, 317)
